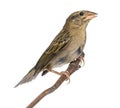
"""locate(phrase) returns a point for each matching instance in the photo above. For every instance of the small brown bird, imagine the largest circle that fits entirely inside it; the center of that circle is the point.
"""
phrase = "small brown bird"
(66, 46)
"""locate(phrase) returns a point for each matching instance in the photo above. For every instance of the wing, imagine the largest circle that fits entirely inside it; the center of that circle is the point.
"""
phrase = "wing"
(60, 42)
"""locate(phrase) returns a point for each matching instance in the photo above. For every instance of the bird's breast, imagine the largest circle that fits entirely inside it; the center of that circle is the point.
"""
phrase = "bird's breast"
(78, 40)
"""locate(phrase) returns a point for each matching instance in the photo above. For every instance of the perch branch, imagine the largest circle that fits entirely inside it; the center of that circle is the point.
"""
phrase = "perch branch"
(73, 66)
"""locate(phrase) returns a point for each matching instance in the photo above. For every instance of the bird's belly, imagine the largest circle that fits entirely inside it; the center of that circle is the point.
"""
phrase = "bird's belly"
(66, 58)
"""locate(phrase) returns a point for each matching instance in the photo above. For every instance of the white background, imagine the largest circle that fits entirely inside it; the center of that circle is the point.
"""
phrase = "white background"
(26, 29)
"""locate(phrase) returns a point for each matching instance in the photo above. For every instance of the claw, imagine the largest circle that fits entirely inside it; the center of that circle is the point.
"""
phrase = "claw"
(67, 74)
(82, 61)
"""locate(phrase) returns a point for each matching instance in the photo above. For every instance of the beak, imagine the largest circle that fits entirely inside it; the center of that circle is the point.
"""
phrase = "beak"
(90, 15)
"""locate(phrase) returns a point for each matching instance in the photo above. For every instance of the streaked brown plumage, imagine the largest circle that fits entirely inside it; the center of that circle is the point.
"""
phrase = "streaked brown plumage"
(66, 47)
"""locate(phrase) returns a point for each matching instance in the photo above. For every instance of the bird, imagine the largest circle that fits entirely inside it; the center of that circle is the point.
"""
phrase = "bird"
(67, 46)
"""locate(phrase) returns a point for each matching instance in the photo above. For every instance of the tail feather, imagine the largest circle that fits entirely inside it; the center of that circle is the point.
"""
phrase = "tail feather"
(28, 77)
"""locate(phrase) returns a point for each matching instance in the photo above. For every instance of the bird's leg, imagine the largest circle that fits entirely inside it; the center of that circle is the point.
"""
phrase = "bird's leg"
(56, 72)
(66, 73)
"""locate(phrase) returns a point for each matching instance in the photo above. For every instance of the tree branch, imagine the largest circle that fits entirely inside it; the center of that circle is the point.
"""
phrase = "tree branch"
(73, 66)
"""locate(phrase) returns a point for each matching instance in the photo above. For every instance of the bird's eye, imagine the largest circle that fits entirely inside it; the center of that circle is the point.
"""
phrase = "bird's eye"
(81, 13)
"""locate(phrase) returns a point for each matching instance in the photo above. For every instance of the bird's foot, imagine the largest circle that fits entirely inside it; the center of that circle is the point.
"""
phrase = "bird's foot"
(82, 61)
(66, 73)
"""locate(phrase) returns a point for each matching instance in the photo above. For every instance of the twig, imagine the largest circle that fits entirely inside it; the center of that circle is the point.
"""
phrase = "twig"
(73, 66)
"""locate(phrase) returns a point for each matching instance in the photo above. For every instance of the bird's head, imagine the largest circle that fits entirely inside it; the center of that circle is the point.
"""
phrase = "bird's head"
(79, 19)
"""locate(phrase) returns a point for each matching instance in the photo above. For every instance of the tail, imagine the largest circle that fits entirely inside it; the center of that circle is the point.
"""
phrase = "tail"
(28, 77)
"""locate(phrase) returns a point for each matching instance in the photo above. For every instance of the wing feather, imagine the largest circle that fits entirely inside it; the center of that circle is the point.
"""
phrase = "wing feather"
(58, 44)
